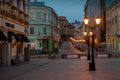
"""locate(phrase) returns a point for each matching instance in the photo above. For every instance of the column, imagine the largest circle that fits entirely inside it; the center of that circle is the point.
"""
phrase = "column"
(6, 54)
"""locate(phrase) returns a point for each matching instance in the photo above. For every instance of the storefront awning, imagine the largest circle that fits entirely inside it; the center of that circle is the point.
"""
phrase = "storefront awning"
(3, 37)
(22, 38)
(10, 34)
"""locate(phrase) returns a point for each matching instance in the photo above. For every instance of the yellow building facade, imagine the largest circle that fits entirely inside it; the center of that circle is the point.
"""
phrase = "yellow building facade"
(113, 27)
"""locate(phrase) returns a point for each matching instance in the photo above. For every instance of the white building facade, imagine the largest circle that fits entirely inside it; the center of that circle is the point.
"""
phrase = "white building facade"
(43, 28)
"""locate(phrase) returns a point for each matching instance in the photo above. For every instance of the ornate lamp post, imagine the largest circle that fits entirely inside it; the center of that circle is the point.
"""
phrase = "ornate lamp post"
(88, 34)
(97, 22)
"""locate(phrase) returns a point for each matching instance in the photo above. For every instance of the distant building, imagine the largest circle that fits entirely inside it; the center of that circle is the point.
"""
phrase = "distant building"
(70, 31)
(62, 21)
(43, 28)
(81, 31)
(77, 24)
(13, 32)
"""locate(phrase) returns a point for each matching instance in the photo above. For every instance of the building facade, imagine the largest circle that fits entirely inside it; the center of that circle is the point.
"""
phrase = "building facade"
(77, 25)
(70, 30)
(109, 2)
(13, 32)
(113, 27)
(81, 31)
(43, 28)
(92, 9)
(63, 22)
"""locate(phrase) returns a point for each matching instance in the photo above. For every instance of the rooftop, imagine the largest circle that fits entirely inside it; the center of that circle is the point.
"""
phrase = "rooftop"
(36, 3)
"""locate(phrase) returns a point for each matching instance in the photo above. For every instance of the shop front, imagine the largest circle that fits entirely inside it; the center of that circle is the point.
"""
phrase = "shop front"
(3, 41)
(18, 45)
(48, 45)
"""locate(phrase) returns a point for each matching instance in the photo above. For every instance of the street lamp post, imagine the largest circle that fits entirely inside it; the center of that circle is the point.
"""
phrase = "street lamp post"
(88, 43)
(92, 63)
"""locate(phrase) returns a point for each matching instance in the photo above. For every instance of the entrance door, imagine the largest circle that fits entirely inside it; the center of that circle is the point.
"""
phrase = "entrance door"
(18, 50)
(44, 45)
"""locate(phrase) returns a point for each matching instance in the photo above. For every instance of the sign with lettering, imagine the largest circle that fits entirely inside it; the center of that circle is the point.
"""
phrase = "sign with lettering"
(9, 25)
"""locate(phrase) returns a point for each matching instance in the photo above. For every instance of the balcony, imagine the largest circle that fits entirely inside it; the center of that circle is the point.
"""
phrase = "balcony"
(25, 21)
(12, 12)
(8, 11)
(19, 16)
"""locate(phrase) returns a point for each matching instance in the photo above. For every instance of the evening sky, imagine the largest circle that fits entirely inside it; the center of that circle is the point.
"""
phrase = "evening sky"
(72, 9)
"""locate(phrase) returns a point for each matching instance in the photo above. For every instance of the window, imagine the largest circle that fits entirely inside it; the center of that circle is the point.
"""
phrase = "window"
(31, 30)
(15, 3)
(21, 5)
(40, 45)
(7, 0)
(44, 17)
(25, 29)
(38, 16)
(49, 17)
(45, 31)
(26, 9)
(31, 16)
(112, 20)
(116, 19)
(9, 25)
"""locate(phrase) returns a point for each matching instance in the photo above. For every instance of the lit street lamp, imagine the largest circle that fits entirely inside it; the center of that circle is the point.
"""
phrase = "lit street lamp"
(88, 43)
(92, 63)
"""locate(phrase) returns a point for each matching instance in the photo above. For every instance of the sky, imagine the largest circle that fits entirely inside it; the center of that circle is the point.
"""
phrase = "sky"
(72, 9)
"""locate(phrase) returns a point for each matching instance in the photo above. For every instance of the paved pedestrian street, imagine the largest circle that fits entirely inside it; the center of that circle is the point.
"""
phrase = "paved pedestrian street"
(63, 69)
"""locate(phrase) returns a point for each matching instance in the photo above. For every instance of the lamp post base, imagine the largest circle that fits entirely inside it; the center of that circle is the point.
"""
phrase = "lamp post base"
(92, 66)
